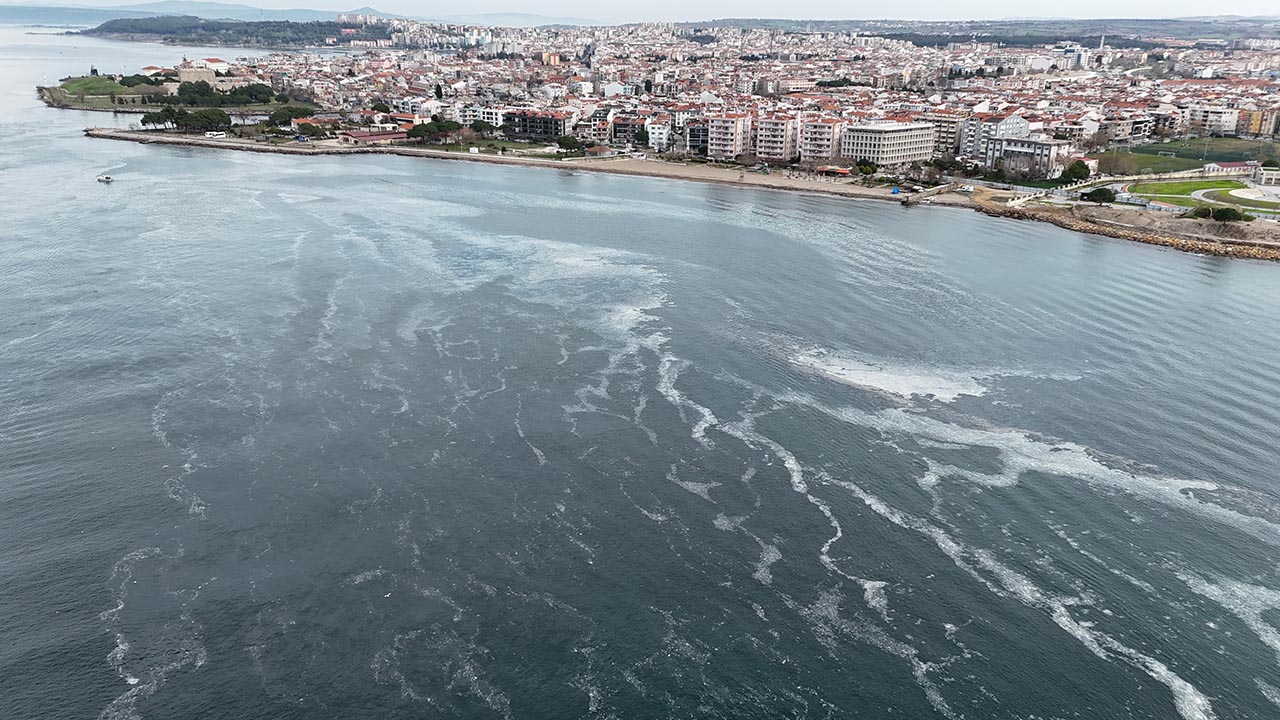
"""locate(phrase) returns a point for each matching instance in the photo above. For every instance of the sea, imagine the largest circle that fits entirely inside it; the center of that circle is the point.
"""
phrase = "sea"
(384, 437)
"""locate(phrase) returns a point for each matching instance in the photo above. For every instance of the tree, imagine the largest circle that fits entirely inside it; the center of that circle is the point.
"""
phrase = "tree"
(1075, 172)
(282, 98)
(1101, 195)
(569, 142)
(641, 137)
(311, 130)
(483, 128)
(282, 115)
(1227, 214)
(439, 91)
(380, 107)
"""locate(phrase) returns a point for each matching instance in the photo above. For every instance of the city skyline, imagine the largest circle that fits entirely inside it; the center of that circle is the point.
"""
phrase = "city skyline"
(671, 11)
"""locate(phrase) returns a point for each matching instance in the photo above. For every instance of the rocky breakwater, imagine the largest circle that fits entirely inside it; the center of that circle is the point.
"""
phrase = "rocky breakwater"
(1198, 236)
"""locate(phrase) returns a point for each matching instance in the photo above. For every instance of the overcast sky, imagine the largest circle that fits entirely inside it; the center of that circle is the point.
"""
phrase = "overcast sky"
(798, 9)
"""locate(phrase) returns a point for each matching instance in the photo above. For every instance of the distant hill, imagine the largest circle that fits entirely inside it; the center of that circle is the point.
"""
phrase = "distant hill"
(234, 11)
(38, 15)
(58, 15)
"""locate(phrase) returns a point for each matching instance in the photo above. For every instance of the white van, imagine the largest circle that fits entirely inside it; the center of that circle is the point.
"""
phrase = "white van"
(216, 135)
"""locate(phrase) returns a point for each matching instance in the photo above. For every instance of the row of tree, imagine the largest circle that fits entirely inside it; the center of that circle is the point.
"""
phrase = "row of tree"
(205, 119)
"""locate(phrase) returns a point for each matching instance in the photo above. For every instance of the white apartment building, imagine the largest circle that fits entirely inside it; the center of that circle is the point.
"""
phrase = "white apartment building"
(777, 137)
(980, 128)
(1210, 120)
(888, 143)
(820, 138)
(728, 135)
(659, 128)
(1039, 156)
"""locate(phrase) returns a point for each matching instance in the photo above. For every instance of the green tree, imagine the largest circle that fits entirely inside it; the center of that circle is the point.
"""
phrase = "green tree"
(1227, 214)
(641, 137)
(1076, 172)
(380, 107)
(282, 98)
(1101, 195)
(483, 128)
(282, 115)
(569, 142)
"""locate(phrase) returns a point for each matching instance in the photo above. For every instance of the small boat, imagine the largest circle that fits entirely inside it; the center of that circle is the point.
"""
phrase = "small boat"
(104, 178)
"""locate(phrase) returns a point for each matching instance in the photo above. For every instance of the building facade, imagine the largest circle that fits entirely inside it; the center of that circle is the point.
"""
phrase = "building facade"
(820, 138)
(777, 137)
(728, 135)
(1040, 157)
(888, 143)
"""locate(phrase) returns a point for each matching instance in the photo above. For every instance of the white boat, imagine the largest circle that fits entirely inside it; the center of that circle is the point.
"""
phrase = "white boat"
(104, 178)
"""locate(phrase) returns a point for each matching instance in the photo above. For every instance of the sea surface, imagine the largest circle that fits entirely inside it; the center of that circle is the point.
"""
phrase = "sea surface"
(382, 437)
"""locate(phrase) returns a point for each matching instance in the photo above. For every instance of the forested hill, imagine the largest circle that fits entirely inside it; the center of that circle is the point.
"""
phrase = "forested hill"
(269, 33)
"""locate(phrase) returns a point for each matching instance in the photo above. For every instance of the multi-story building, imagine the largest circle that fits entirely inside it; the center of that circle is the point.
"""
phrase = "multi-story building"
(728, 135)
(695, 136)
(820, 138)
(539, 124)
(888, 143)
(946, 131)
(980, 128)
(1258, 122)
(777, 137)
(659, 128)
(625, 127)
(1212, 119)
(1038, 156)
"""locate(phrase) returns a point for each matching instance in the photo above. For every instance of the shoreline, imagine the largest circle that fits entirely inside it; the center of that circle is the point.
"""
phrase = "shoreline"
(1197, 244)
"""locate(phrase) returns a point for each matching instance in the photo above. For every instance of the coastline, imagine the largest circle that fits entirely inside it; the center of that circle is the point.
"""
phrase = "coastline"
(1079, 222)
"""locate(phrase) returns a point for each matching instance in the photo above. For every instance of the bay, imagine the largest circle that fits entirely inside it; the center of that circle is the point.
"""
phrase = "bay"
(348, 437)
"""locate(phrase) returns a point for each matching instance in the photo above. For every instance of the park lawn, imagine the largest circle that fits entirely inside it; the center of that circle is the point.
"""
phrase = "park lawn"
(1142, 163)
(1184, 187)
(1223, 196)
(1188, 202)
(94, 85)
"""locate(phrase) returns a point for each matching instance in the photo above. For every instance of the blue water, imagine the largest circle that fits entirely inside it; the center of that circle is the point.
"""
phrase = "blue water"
(384, 437)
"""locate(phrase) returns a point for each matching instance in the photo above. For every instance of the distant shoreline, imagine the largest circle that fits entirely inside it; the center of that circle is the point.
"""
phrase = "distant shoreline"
(1225, 247)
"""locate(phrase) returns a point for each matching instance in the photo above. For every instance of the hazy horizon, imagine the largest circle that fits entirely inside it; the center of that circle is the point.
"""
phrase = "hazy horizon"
(672, 11)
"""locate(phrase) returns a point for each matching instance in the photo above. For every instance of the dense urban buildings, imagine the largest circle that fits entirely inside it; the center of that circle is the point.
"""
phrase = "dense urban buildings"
(766, 95)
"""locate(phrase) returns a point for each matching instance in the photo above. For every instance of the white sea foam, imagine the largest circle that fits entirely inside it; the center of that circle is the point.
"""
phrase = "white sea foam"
(873, 592)
(769, 554)
(1250, 603)
(1270, 692)
(1020, 453)
(1003, 580)
(900, 379)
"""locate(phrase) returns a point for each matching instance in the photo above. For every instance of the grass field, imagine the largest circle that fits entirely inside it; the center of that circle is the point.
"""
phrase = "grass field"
(1137, 162)
(1224, 196)
(94, 85)
(1213, 149)
(1184, 187)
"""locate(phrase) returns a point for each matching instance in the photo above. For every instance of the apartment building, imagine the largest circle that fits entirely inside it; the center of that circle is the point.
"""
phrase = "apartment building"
(695, 136)
(888, 143)
(1212, 120)
(1039, 156)
(946, 131)
(659, 128)
(728, 135)
(820, 138)
(539, 124)
(777, 137)
(980, 128)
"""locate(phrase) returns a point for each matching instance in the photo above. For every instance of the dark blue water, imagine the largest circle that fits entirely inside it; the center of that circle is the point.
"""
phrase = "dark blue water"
(382, 437)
